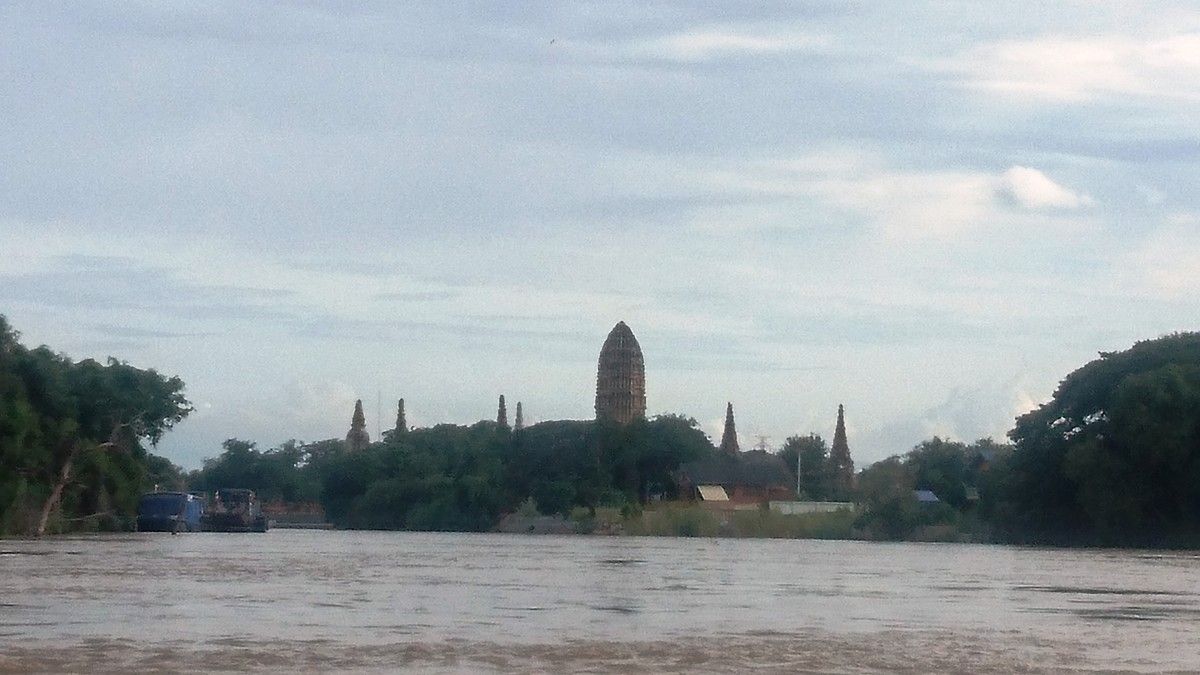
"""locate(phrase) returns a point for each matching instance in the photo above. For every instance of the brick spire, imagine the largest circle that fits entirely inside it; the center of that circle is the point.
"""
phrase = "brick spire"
(357, 438)
(841, 466)
(502, 414)
(729, 442)
(401, 421)
(519, 422)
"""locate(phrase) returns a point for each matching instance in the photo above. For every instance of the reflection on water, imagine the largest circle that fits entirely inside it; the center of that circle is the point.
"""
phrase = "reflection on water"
(377, 601)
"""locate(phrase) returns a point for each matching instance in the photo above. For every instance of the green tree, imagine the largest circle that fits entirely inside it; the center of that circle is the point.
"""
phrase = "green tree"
(941, 466)
(463, 478)
(1114, 456)
(889, 510)
(286, 473)
(811, 454)
(71, 435)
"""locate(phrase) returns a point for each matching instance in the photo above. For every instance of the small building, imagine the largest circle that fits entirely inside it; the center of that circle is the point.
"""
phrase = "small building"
(801, 508)
(925, 497)
(711, 493)
(754, 477)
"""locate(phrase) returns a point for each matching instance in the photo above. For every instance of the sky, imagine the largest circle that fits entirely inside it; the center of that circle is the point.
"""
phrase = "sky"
(927, 211)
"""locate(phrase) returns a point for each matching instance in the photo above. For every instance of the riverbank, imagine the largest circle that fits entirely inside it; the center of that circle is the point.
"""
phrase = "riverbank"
(697, 520)
(690, 519)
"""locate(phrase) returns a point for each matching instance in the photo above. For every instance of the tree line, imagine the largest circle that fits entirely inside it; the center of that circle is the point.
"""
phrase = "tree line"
(453, 477)
(1113, 458)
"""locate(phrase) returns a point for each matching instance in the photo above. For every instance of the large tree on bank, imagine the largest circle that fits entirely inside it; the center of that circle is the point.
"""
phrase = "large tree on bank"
(71, 433)
(810, 455)
(1114, 457)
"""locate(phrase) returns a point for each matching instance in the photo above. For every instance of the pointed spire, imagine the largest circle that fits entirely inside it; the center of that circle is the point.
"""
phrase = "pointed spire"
(502, 414)
(841, 466)
(357, 438)
(401, 421)
(729, 442)
(519, 422)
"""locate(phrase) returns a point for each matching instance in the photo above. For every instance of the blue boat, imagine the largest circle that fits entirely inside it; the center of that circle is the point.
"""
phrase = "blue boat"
(169, 512)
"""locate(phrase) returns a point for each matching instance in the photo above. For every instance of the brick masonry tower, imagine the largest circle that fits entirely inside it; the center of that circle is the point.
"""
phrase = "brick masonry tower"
(502, 414)
(401, 420)
(621, 378)
(357, 438)
(841, 466)
(729, 442)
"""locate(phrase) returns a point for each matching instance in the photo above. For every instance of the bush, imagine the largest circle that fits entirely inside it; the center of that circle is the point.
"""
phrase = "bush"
(675, 521)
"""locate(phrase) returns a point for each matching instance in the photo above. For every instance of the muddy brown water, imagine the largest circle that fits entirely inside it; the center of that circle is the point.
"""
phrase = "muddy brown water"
(373, 601)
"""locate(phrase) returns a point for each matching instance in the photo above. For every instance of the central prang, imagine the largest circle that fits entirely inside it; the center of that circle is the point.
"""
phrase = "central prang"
(621, 378)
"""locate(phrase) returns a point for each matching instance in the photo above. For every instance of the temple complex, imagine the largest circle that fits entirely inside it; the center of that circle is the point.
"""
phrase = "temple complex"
(357, 438)
(621, 378)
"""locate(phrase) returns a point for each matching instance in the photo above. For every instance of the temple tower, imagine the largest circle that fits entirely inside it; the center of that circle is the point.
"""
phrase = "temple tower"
(621, 378)
(357, 438)
(729, 443)
(502, 414)
(519, 422)
(401, 421)
(841, 466)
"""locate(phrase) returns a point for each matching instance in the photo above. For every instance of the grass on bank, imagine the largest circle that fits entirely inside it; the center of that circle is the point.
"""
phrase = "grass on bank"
(694, 520)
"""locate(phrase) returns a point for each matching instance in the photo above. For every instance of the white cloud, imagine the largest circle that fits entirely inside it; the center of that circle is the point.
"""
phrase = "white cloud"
(1032, 189)
(1078, 69)
(967, 414)
(915, 204)
(901, 203)
(707, 44)
(1168, 262)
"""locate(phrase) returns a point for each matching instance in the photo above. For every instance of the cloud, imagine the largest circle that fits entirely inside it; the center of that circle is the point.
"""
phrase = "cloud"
(416, 296)
(967, 414)
(902, 203)
(1033, 189)
(1072, 69)
(90, 283)
(1167, 263)
(133, 333)
(708, 44)
(787, 204)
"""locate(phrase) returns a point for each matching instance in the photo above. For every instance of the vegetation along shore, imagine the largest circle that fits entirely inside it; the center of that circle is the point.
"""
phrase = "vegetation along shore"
(1112, 459)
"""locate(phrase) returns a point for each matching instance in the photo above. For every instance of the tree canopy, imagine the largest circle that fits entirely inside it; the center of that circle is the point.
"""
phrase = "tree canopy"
(71, 436)
(811, 454)
(451, 477)
(1114, 456)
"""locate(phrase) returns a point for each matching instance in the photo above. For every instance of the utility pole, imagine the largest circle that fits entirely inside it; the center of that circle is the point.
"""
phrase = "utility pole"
(799, 489)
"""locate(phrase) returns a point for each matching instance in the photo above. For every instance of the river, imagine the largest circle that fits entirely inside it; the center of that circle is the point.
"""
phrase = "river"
(380, 601)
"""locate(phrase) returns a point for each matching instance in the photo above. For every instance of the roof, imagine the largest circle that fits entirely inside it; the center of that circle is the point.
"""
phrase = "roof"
(755, 468)
(926, 496)
(712, 493)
